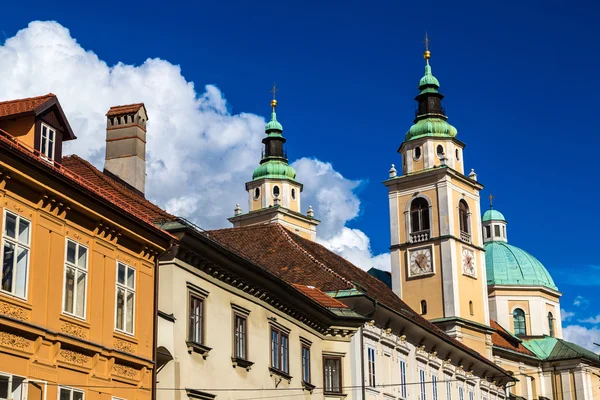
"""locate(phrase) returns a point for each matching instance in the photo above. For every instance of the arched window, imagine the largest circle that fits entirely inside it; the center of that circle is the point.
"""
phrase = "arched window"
(519, 322)
(423, 307)
(463, 216)
(471, 308)
(419, 215)
(551, 324)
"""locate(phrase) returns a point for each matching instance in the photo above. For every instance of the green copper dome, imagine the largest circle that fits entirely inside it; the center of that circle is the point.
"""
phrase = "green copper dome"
(493, 215)
(428, 80)
(437, 127)
(510, 265)
(273, 124)
(274, 169)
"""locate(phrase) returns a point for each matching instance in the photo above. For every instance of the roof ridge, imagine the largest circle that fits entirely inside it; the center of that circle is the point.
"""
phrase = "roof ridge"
(116, 186)
(49, 95)
(311, 257)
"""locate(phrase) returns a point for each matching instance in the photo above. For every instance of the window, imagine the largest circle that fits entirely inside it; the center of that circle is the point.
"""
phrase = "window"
(371, 366)
(332, 371)
(239, 336)
(125, 298)
(69, 394)
(434, 387)
(276, 191)
(75, 282)
(305, 363)
(448, 388)
(403, 379)
(551, 324)
(15, 254)
(471, 394)
(461, 393)
(423, 307)
(471, 308)
(519, 322)
(196, 320)
(417, 153)
(422, 385)
(47, 140)
(11, 387)
(293, 194)
(419, 215)
(497, 230)
(440, 151)
(488, 231)
(256, 193)
(457, 155)
(504, 231)
(463, 216)
(279, 350)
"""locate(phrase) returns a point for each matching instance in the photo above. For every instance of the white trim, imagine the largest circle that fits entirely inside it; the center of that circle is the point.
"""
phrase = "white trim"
(44, 154)
(60, 387)
(425, 274)
(78, 270)
(126, 289)
(16, 243)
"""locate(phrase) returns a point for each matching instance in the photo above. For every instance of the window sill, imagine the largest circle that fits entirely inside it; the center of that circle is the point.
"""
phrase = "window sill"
(333, 394)
(240, 362)
(308, 387)
(274, 371)
(125, 336)
(198, 348)
(74, 319)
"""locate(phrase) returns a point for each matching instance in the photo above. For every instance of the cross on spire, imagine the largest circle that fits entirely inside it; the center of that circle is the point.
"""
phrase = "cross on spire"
(491, 204)
(427, 53)
(274, 90)
(426, 41)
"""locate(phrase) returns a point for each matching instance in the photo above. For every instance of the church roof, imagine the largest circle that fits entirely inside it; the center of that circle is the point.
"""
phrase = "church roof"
(510, 265)
(493, 215)
(507, 341)
(553, 349)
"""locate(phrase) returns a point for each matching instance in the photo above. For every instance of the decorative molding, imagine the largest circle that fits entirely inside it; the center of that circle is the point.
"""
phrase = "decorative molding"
(13, 311)
(124, 346)
(10, 340)
(73, 330)
(74, 357)
(124, 370)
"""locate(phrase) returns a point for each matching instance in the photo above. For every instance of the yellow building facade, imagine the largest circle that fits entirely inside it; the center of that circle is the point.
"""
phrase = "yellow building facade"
(77, 319)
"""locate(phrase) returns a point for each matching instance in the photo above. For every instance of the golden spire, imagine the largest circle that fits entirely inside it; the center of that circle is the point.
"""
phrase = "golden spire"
(427, 53)
(491, 204)
(274, 91)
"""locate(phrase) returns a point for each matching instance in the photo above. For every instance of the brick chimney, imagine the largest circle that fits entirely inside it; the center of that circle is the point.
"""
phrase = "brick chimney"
(126, 145)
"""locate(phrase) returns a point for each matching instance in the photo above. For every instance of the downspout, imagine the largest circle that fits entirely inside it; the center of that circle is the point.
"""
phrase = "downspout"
(362, 352)
(155, 335)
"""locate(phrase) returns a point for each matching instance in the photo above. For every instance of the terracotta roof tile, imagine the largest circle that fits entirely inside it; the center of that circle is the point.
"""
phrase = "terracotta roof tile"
(301, 261)
(20, 106)
(125, 109)
(122, 194)
(503, 339)
(319, 296)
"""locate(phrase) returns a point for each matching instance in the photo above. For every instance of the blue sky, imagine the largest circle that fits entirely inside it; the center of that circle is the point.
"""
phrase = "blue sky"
(519, 81)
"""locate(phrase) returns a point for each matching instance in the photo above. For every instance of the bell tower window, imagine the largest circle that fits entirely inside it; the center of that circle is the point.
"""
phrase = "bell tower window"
(423, 307)
(440, 151)
(417, 153)
(463, 218)
(256, 193)
(550, 324)
(276, 191)
(520, 326)
(419, 216)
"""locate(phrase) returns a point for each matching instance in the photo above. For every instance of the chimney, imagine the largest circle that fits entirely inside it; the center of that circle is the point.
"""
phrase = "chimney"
(126, 145)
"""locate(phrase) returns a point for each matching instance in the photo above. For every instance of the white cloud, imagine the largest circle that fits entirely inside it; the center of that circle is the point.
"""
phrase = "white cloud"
(583, 336)
(566, 315)
(591, 320)
(198, 153)
(580, 301)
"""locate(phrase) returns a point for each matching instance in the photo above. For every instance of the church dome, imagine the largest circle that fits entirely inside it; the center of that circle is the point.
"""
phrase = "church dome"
(437, 127)
(274, 169)
(493, 215)
(510, 265)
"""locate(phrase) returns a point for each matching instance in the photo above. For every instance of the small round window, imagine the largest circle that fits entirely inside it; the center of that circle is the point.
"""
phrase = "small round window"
(256, 193)
(417, 153)
(457, 155)
(293, 194)
(440, 150)
(276, 191)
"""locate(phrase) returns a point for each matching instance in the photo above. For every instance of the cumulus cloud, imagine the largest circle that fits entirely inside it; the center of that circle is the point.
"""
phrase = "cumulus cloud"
(199, 154)
(581, 301)
(591, 320)
(566, 315)
(583, 336)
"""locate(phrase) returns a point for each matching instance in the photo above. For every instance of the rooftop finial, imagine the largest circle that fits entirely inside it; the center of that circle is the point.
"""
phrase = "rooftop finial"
(274, 91)
(491, 204)
(427, 53)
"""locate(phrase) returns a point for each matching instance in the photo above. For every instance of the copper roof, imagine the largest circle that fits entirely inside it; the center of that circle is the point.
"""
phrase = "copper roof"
(505, 340)
(125, 109)
(20, 106)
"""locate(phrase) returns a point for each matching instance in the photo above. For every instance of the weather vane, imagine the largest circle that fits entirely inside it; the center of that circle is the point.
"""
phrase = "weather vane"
(427, 53)
(491, 204)
(426, 41)
(274, 90)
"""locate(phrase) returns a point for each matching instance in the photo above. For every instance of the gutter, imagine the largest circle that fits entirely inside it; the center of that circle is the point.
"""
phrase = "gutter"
(155, 327)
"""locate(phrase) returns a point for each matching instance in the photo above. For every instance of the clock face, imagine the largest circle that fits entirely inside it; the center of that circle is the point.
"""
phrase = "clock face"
(468, 262)
(420, 262)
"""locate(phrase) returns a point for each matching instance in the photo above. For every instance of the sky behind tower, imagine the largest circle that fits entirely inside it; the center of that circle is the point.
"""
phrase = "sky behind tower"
(518, 81)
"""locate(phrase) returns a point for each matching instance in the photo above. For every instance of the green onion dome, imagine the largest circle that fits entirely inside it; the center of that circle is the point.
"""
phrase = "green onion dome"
(437, 127)
(274, 169)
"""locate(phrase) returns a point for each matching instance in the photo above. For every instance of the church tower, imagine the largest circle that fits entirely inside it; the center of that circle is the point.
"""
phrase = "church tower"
(274, 193)
(438, 261)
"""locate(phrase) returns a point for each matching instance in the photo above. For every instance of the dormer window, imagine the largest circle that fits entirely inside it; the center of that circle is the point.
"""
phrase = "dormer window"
(47, 142)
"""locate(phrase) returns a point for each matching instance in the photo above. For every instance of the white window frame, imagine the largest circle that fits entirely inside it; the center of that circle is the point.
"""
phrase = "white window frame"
(402, 364)
(373, 351)
(16, 243)
(448, 387)
(422, 384)
(47, 141)
(127, 290)
(71, 394)
(78, 270)
(434, 387)
(10, 385)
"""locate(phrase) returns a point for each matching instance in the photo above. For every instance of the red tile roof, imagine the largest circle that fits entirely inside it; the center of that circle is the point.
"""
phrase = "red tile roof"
(126, 109)
(20, 106)
(503, 339)
(319, 296)
(301, 261)
(121, 193)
